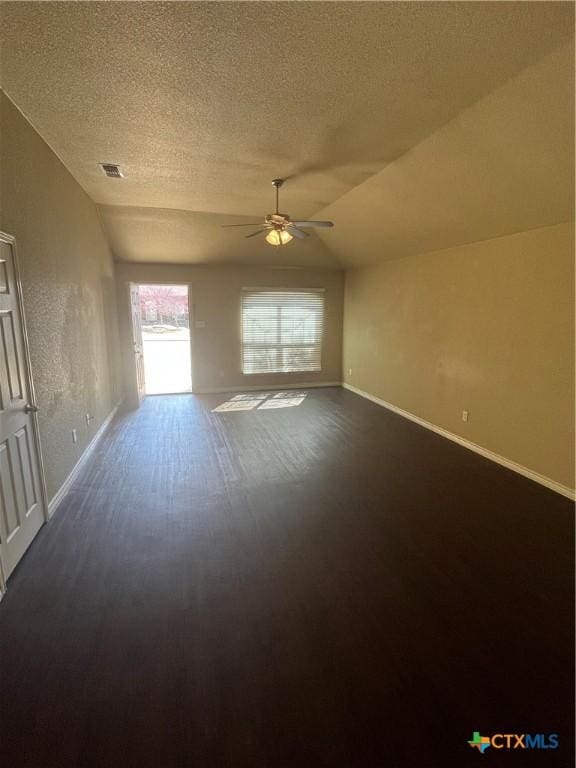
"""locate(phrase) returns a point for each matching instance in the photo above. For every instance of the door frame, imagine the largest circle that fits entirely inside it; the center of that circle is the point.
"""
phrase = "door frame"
(139, 394)
(190, 314)
(11, 241)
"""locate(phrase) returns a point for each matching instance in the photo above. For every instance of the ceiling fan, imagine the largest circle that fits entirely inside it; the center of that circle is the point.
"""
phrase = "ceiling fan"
(279, 226)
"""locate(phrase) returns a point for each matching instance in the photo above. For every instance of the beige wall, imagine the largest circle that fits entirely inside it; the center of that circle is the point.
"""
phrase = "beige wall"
(68, 285)
(216, 300)
(486, 327)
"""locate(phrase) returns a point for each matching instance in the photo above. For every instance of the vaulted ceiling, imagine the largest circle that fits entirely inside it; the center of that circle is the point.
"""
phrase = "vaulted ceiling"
(413, 125)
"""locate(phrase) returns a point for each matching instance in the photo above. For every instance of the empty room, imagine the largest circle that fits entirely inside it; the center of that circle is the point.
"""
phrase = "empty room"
(286, 384)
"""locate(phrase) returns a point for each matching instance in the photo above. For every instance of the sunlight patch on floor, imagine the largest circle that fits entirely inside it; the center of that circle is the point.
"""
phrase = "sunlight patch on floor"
(261, 401)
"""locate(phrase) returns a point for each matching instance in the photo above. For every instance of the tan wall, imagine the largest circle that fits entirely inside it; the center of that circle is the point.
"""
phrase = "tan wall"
(68, 285)
(216, 300)
(487, 327)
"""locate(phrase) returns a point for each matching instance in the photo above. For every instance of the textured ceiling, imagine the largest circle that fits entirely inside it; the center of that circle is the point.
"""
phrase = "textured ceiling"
(203, 103)
(502, 166)
(153, 235)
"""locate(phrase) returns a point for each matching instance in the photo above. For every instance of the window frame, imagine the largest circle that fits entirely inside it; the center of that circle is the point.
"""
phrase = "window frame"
(319, 292)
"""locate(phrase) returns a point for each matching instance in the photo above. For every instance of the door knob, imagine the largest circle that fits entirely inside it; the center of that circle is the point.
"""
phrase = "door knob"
(30, 408)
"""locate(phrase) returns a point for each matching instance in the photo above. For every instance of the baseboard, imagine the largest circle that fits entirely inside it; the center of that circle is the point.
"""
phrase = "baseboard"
(65, 487)
(270, 387)
(521, 470)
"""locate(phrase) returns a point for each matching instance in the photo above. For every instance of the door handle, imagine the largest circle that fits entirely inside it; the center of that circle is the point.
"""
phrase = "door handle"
(28, 408)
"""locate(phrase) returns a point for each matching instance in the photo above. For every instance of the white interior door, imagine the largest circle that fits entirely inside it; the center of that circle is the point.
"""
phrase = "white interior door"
(21, 498)
(138, 344)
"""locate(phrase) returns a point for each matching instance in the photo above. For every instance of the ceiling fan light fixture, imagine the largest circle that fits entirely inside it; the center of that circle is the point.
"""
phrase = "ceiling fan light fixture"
(279, 227)
(278, 237)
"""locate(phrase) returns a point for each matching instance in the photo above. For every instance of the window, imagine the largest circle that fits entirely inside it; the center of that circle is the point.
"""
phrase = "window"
(281, 330)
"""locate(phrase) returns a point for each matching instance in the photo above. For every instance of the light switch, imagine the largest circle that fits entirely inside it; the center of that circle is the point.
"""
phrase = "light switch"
(200, 324)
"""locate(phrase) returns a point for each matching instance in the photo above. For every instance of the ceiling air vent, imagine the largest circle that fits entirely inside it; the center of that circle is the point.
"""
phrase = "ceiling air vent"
(112, 170)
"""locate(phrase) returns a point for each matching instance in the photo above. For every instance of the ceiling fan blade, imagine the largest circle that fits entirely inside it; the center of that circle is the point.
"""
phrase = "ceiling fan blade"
(242, 225)
(296, 232)
(313, 223)
(258, 231)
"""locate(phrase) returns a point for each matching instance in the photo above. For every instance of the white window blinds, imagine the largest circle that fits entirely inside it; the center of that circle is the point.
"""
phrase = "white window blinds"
(281, 330)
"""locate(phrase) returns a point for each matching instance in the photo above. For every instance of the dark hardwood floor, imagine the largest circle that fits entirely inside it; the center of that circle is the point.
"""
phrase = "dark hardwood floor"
(324, 585)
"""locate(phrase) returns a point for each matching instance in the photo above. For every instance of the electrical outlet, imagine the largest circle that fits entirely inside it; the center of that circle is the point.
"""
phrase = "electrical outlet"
(74, 436)
(349, 371)
(88, 419)
(464, 415)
